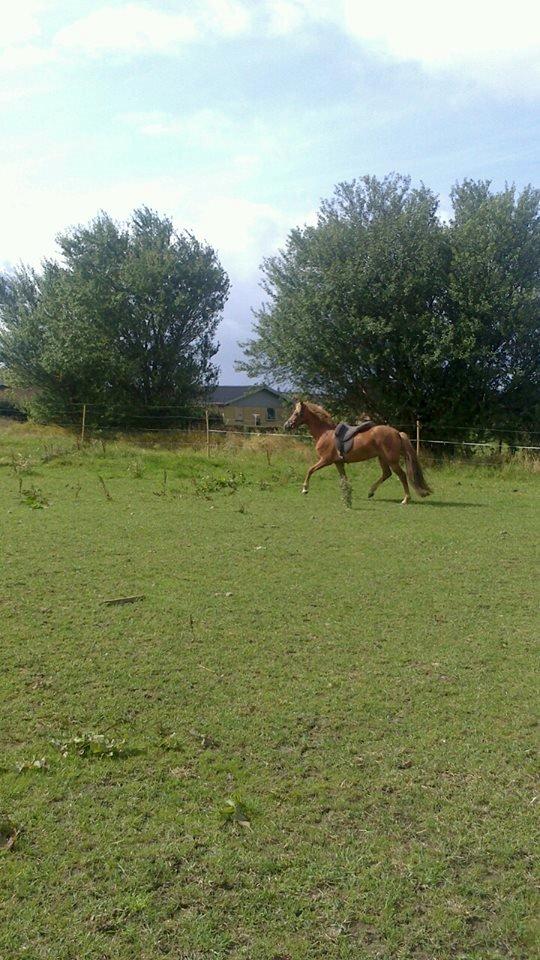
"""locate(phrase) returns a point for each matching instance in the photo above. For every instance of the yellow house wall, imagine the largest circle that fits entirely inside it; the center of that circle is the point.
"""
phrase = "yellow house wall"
(245, 416)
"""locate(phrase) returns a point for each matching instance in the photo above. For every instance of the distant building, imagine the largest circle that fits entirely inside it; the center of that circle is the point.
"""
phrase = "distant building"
(257, 406)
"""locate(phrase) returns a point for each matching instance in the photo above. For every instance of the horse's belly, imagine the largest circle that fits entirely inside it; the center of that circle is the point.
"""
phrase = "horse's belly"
(365, 452)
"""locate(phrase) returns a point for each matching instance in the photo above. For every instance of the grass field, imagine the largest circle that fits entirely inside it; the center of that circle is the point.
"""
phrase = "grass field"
(312, 738)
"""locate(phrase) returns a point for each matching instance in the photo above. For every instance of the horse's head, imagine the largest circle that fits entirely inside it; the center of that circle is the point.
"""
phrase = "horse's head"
(297, 416)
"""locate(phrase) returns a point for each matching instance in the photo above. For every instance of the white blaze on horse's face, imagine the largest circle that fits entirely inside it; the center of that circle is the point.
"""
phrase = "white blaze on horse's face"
(294, 418)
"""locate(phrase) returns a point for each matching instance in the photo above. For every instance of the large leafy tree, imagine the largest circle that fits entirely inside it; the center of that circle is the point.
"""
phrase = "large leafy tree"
(494, 286)
(125, 321)
(373, 308)
(356, 310)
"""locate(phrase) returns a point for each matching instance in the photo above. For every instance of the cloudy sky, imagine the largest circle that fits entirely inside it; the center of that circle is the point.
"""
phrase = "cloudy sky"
(236, 117)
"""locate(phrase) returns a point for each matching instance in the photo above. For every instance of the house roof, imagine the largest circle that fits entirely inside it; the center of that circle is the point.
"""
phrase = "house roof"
(224, 395)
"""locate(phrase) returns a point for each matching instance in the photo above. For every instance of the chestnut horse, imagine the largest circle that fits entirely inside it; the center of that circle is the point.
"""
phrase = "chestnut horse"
(384, 442)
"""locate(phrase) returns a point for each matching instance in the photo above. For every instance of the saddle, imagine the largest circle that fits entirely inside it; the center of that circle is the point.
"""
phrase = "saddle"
(344, 435)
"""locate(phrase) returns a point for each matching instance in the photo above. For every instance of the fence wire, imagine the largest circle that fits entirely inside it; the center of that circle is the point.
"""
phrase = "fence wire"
(155, 420)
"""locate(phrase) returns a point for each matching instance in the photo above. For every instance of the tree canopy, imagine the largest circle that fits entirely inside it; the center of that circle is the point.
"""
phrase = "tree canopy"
(126, 320)
(382, 306)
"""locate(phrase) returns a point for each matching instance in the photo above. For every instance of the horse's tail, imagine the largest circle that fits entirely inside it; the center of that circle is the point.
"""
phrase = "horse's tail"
(414, 470)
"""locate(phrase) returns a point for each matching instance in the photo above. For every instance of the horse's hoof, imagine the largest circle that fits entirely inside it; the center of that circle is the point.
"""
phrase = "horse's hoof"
(370, 494)
(304, 491)
(405, 502)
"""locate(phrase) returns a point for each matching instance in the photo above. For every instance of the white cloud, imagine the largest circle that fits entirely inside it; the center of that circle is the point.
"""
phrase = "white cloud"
(441, 34)
(21, 42)
(147, 28)
(484, 39)
(426, 31)
(287, 16)
(25, 57)
(228, 17)
(20, 23)
(203, 128)
(241, 230)
(240, 145)
(130, 27)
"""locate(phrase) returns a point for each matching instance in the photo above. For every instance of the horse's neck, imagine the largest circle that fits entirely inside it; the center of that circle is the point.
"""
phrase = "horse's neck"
(317, 427)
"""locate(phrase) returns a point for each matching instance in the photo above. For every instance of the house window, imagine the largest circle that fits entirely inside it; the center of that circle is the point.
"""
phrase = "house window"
(239, 416)
(270, 413)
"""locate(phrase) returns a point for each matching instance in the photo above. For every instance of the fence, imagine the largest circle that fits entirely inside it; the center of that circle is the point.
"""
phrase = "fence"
(207, 424)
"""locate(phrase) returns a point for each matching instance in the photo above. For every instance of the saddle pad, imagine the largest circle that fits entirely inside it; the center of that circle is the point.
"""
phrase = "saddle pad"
(344, 434)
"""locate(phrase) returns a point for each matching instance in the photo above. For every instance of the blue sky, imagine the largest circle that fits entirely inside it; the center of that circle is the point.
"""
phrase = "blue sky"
(236, 117)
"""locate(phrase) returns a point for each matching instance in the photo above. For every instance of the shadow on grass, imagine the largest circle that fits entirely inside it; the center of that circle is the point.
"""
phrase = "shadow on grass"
(431, 503)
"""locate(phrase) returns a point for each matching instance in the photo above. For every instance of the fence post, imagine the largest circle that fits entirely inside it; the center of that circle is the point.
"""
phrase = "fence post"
(83, 424)
(206, 417)
(417, 437)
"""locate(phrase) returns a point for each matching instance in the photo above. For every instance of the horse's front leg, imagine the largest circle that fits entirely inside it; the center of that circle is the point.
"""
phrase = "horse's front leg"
(323, 462)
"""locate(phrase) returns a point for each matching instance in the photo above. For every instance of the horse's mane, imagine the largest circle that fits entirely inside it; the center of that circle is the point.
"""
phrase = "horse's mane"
(320, 412)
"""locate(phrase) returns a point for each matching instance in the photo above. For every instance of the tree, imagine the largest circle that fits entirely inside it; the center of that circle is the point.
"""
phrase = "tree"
(494, 292)
(356, 308)
(373, 308)
(126, 320)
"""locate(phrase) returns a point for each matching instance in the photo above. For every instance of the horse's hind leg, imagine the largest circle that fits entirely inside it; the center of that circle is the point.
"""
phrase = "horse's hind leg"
(346, 489)
(399, 471)
(386, 472)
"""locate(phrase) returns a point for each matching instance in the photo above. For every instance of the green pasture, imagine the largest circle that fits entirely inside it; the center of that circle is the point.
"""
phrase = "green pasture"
(312, 737)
